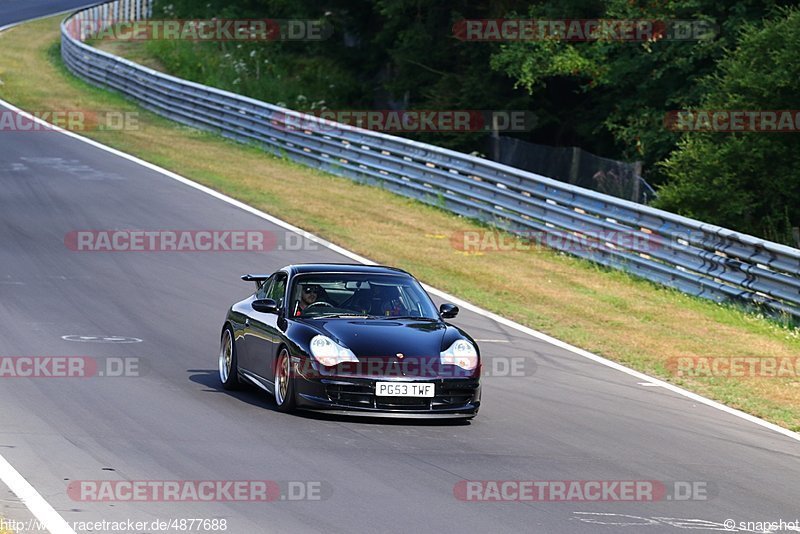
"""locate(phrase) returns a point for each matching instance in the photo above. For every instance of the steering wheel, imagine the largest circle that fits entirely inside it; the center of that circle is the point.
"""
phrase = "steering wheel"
(319, 303)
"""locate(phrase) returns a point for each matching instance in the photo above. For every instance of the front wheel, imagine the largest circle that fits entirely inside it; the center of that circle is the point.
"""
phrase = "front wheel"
(284, 382)
(228, 363)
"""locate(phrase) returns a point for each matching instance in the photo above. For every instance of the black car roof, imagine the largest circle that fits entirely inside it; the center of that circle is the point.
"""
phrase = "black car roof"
(302, 268)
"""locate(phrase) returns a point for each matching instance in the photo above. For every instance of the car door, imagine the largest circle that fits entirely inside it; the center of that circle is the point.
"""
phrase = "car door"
(248, 346)
(265, 334)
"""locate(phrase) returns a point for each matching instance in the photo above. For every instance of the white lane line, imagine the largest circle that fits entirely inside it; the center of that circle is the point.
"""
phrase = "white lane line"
(25, 492)
(455, 300)
(40, 508)
(492, 340)
(101, 339)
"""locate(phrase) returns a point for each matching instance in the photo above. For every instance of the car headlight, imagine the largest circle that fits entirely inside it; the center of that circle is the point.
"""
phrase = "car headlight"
(329, 353)
(461, 353)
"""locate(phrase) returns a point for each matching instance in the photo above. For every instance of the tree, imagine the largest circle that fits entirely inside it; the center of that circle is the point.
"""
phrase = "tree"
(749, 181)
(622, 89)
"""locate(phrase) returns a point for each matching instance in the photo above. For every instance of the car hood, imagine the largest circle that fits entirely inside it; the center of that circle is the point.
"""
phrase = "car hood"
(381, 338)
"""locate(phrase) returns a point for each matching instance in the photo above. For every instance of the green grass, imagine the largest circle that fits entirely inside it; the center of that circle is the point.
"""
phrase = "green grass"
(607, 312)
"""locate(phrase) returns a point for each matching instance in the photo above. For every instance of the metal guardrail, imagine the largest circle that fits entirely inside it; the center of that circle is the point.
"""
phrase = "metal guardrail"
(697, 258)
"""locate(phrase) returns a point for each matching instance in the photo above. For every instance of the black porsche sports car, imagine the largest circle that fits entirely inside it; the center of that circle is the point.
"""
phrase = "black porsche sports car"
(354, 339)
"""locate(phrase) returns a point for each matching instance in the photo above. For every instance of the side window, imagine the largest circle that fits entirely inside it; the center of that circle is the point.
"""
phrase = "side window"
(278, 289)
(265, 287)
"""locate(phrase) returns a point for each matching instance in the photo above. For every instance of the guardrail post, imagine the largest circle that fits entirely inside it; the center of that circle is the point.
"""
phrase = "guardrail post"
(576, 165)
(637, 181)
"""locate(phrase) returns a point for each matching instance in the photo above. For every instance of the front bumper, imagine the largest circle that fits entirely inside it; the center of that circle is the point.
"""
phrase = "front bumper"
(453, 398)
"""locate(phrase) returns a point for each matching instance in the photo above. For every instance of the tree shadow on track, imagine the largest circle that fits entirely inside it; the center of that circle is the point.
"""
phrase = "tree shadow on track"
(257, 397)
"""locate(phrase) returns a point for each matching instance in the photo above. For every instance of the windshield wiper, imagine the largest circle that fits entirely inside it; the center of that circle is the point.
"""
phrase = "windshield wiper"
(339, 315)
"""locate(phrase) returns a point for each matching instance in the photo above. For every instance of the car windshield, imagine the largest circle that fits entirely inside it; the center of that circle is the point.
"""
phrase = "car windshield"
(365, 295)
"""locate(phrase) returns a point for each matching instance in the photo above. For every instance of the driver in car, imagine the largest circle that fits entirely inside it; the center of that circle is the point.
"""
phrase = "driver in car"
(309, 294)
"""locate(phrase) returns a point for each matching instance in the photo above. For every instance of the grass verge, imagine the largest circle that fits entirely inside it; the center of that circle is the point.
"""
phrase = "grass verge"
(607, 312)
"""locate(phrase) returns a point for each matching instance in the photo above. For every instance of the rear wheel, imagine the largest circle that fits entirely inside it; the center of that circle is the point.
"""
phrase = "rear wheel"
(284, 382)
(228, 364)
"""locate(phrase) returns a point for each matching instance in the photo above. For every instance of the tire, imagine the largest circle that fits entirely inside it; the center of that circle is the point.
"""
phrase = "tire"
(228, 363)
(284, 382)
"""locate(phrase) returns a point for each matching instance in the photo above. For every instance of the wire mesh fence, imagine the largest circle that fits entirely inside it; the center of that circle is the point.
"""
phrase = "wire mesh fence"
(574, 166)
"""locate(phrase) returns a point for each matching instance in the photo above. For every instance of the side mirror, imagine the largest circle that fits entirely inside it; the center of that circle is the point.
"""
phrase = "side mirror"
(265, 306)
(448, 311)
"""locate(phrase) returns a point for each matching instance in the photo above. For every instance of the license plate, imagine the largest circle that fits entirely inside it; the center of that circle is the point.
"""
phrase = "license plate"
(403, 389)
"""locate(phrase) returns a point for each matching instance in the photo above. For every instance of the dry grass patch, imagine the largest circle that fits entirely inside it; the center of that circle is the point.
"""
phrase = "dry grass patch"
(607, 312)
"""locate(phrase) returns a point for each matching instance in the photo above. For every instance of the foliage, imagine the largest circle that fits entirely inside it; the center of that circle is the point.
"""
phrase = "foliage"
(749, 180)
(608, 96)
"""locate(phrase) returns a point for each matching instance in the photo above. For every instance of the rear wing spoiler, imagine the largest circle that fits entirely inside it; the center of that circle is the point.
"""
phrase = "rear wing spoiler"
(259, 279)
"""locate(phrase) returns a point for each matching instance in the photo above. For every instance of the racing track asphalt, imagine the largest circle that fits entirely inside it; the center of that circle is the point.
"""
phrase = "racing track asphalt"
(569, 418)
(12, 11)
